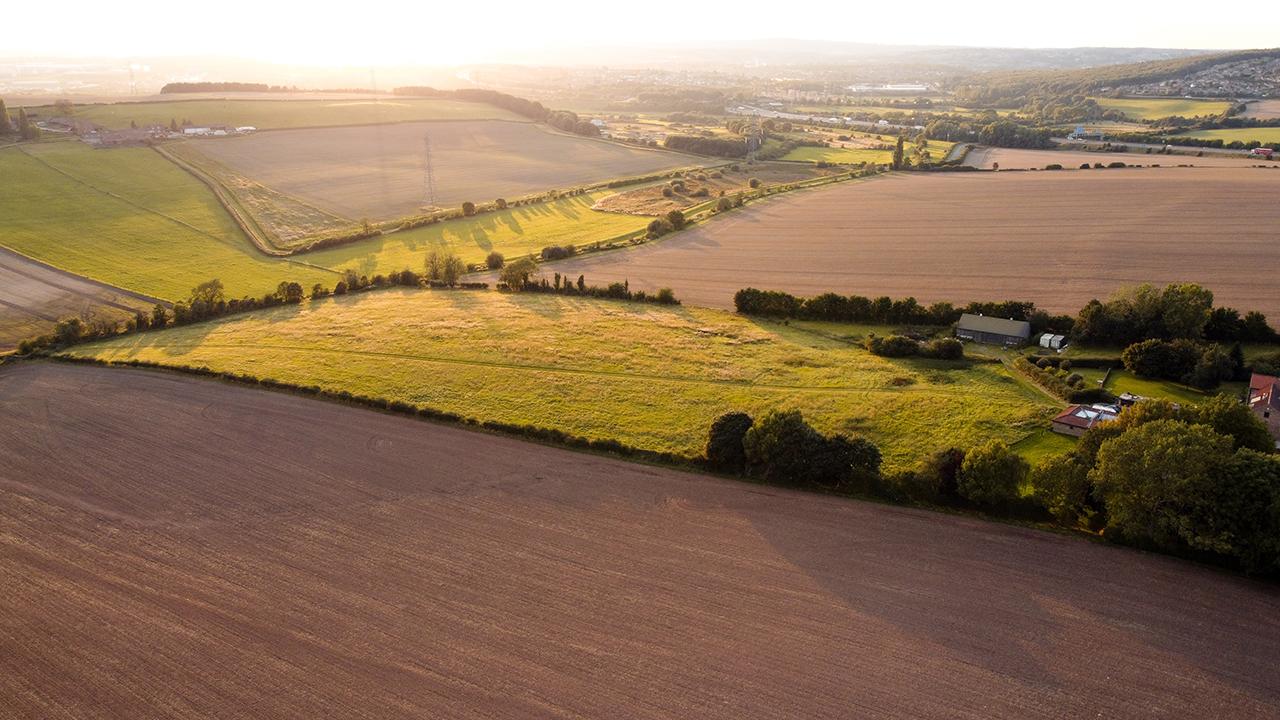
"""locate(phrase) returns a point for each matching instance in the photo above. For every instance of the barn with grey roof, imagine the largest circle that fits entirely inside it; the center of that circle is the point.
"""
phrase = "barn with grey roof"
(993, 330)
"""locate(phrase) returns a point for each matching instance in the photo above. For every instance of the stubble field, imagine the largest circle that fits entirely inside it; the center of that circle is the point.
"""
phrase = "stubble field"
(1057, 238)
(396, 569)
(378, 172)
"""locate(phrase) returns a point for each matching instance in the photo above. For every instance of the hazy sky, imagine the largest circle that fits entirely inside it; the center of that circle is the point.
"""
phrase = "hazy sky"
(384, 31)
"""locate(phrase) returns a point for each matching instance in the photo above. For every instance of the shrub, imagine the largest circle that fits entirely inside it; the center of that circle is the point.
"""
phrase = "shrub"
(557, 252)
(658, 227)
(991, 475)
(494, 260)
(668, 192)
(1084, 166)
(781, 446)
(723, 204)
(943, 349)
(701, 192)
(894, 346)
(1116, 164)
(753, 183)
(676, 219)
(500, 203)
(468, 208)
(1053, 166)
(724, 449)
(665, 296)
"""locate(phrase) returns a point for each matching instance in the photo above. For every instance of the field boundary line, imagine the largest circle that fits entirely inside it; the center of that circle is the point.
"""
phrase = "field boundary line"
(77, 276)
(681, 379)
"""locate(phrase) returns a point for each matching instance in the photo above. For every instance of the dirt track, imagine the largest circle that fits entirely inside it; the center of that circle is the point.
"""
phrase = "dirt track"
(183, 548)
(33, 296)
(1058, 238)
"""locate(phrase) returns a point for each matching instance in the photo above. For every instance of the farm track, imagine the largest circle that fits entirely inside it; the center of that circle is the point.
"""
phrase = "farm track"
(186, 548)
(1060, 239)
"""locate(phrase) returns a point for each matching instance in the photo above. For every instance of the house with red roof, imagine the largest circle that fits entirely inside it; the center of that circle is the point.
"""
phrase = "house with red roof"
(1264, 401)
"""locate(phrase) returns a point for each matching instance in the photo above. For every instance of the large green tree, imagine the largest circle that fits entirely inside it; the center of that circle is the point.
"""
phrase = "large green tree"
(991, 475)
(6, 127)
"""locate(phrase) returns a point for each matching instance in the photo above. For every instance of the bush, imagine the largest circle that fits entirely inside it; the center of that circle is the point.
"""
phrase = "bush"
(753, 183)
(558, 252)
(494, 260)
(991, 475)
(894, 346)
(943, 349)
(665, 296)
(1084, 166)
(1116, 164)
(658, 227)
(783, 449)
(723, 204)
(676, 219)
(516, 274)
(468, 208)
(1053, 166)
(724, 449)
(500, 203)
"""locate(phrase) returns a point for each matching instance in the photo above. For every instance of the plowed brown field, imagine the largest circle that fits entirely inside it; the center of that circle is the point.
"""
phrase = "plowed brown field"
(174, 547)
(1020, 159)
(1058, 238)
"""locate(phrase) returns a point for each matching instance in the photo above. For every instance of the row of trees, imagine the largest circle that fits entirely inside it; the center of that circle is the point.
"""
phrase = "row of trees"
(519, 275)
(713, 146)
(885, 310)
(1000, 133)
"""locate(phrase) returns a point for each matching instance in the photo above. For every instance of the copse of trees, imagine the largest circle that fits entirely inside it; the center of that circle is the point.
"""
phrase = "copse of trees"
(6, 127)
(444, 267)
(1199, 365)
(714, 146)
(519, 276)
(900, 346)
(784, 449)
(1199, 481)
(1176, 311)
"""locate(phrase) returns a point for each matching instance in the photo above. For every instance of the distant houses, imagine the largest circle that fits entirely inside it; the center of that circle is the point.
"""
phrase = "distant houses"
(993, 330)
(1264, 401)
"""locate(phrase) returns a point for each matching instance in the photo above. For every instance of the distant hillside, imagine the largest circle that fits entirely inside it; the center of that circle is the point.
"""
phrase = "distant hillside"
(1246, 73)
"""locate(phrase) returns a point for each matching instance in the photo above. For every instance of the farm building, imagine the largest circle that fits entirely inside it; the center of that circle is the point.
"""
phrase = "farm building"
(1053, 342)
(1076, 419)
(992, 330)
(1264, 401)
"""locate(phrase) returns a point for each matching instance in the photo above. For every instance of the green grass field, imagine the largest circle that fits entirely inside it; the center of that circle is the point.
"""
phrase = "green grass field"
(130, 218)
(1261, 134)
(650, 376)
(1122, 381)
(1156, 108)
(938, 149)
(513, 232)
(264, 114)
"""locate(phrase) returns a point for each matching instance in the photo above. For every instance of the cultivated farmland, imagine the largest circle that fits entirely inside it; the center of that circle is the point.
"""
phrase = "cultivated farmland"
(262, 114)
(1264, 110)
(131, 219)
(378, 172)
(1157, 108)
(1022, 159)
(1058, 238)
(396, 569)
(34, 296)
(650, 376)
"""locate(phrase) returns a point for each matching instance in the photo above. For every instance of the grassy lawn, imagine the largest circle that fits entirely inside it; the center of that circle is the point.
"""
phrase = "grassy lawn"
(1042, 444)
(654, 377)
(513, 232)
(130, 218)
(1261, 134)
(285, 113)
(1122, 381)
(1156, 108)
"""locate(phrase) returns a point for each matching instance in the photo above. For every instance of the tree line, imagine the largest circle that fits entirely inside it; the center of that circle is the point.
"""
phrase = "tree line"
(201, 87)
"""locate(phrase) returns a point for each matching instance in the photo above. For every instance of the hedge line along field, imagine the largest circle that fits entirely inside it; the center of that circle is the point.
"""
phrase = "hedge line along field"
(1156, 108)
(649, 376)
(393, 568)
(1057, 238)
(514, 232)
(378, 172)
(130, 218)
(264, 114)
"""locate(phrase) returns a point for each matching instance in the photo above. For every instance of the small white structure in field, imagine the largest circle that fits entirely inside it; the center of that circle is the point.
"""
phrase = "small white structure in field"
(196, 131)
(1053, 342)
(246, 129)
